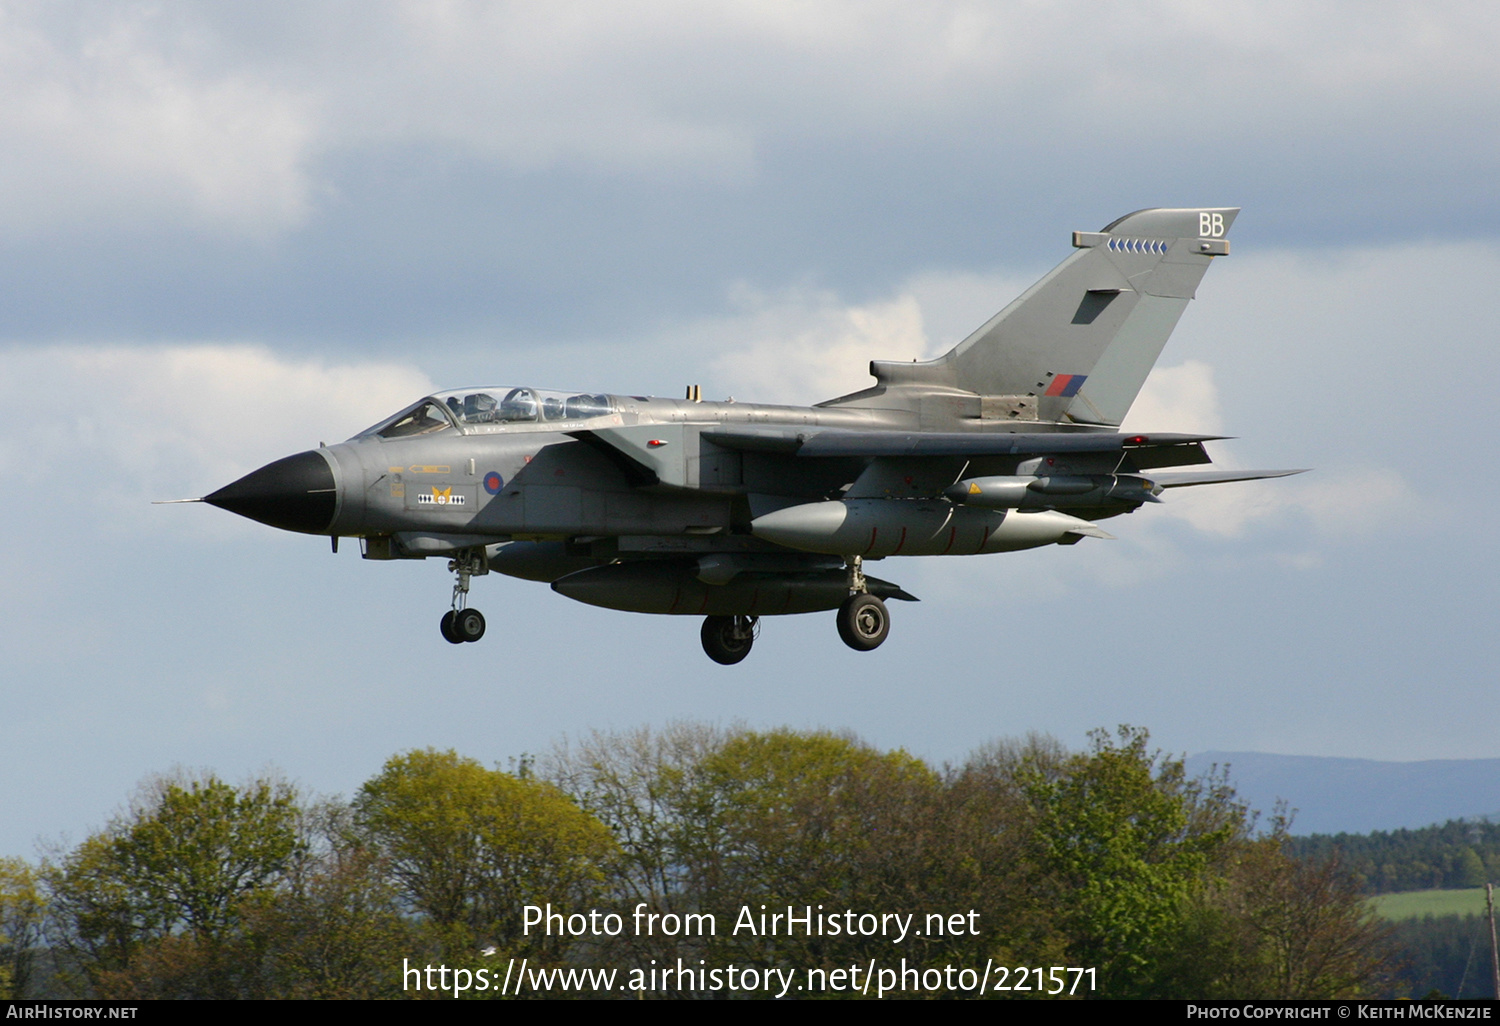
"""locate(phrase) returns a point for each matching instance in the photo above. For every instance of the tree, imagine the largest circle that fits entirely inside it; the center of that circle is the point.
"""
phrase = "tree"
(817, 819)
(334, 927)
(711, 821)
(172, 873)
(201, 846)
(470, 846)
(645, 786)
(1316, 935)
(993, 864)
(1122, 840)
(21, 910)
(1471, 871)
(807, 816)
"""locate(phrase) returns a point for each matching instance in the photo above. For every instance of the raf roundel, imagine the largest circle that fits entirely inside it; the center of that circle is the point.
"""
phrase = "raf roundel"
(493, 483)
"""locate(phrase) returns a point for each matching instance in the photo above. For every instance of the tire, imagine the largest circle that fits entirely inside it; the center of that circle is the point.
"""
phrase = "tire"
(446, 627)
(468, 625)
(864, 622)
(722, 640)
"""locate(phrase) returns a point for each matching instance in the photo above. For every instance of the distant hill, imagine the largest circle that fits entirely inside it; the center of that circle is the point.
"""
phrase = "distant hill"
(1359, 796)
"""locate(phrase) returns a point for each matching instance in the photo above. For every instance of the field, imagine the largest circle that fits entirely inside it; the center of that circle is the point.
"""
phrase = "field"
(1416, 904)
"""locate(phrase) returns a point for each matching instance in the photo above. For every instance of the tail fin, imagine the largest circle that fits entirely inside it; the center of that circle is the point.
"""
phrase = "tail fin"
(1077, 345)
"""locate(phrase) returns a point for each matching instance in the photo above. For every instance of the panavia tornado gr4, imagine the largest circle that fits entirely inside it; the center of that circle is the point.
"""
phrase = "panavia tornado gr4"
(735, 511)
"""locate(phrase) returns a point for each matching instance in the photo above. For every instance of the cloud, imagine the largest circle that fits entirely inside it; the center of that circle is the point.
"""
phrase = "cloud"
(1181, 398)
(103, 431)
(193, 112)
(1358, 502)
(121, 115)
(804, 346)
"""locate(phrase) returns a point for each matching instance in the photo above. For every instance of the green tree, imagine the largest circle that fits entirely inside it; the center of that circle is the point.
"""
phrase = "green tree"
(1471, 871)
(1122, 843)
(201, 846)
(98, 920)
(171, 873)
(334, 927)
(469, 846)
(22, 908)
(815, 818)
(711, 821)
(805, 816)
(993, 857)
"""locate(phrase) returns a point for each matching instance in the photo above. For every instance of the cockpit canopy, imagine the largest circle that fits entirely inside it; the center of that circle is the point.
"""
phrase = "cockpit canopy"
(481, 410)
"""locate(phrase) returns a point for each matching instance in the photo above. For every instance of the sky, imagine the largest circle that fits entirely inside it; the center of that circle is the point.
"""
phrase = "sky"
(230, 232)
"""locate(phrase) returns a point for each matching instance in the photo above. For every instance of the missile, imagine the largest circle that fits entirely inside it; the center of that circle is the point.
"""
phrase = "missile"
(915, 527)
(673, 586)
(1064, 491)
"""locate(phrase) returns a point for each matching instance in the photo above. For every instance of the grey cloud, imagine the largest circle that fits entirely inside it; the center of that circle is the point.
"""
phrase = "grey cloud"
(361, 176)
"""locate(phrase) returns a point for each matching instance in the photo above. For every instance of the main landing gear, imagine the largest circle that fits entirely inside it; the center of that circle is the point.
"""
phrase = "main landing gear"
(727, 639)
(460, 623)
(863, 620)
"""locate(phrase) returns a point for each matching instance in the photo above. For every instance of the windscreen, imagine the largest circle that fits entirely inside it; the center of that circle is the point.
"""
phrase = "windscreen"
(519, 405)
(426, 418)
(487, 408)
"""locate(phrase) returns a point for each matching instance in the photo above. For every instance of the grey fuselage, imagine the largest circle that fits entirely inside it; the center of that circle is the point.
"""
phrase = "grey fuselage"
(1009, 441)
(658, 484)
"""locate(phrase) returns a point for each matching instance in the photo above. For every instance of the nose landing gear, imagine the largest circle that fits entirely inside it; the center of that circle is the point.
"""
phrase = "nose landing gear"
(460, 623)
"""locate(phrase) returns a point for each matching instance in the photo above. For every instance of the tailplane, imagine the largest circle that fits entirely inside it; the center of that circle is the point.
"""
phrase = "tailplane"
(1077, 346)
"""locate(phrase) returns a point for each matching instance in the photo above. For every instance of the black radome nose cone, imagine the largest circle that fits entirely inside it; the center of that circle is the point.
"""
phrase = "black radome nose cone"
(295, 494)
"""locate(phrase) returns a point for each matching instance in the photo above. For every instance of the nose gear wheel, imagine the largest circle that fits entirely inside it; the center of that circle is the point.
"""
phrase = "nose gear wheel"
(468, 625)
(461, 623)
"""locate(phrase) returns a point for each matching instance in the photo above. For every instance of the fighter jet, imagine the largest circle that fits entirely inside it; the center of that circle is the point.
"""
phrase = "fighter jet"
(734, 511)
